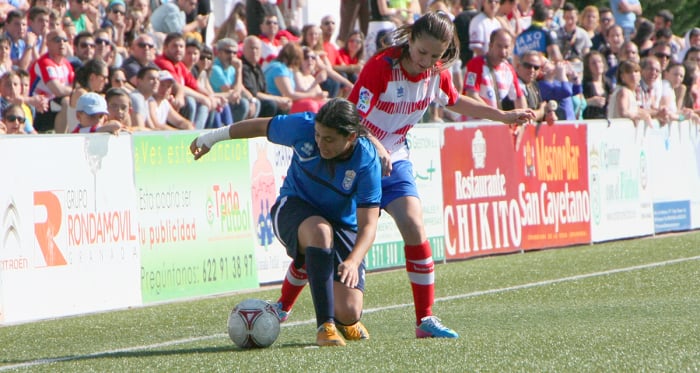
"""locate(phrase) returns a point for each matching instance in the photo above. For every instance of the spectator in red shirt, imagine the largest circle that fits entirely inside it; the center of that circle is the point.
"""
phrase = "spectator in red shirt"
(491, 78)
(270, 38)
(52, 76)
(353, 56)
(198, 106)
(331, 49)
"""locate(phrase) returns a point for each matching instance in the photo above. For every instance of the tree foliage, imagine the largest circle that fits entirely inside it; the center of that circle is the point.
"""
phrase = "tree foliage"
(686, 13)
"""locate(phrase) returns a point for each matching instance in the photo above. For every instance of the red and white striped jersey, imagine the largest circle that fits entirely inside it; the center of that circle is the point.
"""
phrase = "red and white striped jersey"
(391, 102)
(479, 78)
(44, 70)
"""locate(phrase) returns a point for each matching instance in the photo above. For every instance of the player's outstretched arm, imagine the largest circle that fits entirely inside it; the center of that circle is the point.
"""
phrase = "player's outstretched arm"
(466, 105)
(246, 129)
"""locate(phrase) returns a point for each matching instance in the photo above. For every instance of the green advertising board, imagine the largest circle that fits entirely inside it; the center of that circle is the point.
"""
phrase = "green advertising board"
(195, 225)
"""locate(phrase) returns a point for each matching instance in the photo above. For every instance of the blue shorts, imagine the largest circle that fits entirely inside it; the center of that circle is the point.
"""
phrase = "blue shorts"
(401, 183)
(287, 215)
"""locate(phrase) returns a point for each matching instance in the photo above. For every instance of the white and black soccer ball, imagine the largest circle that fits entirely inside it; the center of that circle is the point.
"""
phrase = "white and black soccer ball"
(253, 323)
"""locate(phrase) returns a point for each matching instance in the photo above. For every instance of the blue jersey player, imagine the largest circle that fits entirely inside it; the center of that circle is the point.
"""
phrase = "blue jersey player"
(327, 211)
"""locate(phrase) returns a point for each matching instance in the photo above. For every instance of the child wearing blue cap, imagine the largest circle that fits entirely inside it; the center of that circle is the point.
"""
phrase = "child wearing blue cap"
(91, 112)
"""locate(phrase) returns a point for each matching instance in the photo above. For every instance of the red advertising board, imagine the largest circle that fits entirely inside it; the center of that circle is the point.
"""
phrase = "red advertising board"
(552, 166)
(479, 179)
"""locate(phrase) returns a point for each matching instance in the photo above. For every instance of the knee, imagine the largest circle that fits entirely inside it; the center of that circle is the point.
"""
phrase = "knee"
(315, 231)
(347, 312)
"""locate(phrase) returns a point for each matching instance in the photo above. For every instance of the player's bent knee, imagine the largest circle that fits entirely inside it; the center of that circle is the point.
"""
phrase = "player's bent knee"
(315, 231)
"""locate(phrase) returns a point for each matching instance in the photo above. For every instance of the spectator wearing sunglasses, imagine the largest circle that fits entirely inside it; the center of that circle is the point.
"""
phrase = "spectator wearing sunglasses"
(528, 68)
(271, 45)
(83, 49)
(606, 20)
(14, 119)
(52, 76)
(105, 49)
(11, 95)
(142, 53)
(226, 77)
(662, 50)
(115, 21)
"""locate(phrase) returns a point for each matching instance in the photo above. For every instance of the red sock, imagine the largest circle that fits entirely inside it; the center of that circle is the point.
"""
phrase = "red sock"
(293, 284)
(420, 268)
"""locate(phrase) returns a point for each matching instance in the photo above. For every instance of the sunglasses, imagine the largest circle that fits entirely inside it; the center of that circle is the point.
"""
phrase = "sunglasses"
(145, 45)
(60, 39)
(82, 1)
(310, 56)
(606, 20)
(202, 58)
(530, 66)
(15, 118)
(118, 12)
(102, 41)
(662, 55)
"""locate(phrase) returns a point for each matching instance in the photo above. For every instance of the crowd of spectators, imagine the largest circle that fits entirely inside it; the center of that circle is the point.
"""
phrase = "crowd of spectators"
(167, 65)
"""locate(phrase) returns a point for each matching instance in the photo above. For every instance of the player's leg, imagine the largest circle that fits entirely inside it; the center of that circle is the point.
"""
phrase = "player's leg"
(306, 234)
(348, 311)
(400, 200)
(294, 281)
(348, 301)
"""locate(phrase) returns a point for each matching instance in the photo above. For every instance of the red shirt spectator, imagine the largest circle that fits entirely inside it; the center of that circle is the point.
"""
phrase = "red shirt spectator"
(178, 70)
(46, 69)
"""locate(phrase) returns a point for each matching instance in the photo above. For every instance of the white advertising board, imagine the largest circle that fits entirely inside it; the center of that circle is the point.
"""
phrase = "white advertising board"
(621, 203)
(69, 234)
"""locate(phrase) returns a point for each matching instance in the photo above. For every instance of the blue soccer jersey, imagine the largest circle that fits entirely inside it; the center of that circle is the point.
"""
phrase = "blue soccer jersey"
(336, 188)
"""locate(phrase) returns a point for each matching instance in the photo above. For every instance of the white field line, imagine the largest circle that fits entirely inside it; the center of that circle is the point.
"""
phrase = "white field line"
(371, 310)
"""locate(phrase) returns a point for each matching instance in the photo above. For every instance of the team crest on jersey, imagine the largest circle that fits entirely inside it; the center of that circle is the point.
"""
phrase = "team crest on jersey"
(364, 100)
(307, 148)
(399, 92)
(348, 179)
(471, 79)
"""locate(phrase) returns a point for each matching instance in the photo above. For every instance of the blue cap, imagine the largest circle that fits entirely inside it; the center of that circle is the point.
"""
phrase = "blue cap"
(91, 104)
(114, 3)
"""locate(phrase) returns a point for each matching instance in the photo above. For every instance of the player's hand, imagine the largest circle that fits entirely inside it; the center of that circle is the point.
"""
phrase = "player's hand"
(198, 151)
(519, 116)
(348, 273)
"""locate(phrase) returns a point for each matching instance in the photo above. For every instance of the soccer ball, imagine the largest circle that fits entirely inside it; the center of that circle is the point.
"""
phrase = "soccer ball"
(253, 323)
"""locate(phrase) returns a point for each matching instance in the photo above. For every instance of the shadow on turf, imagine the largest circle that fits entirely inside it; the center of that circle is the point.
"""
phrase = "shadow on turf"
(146, 353)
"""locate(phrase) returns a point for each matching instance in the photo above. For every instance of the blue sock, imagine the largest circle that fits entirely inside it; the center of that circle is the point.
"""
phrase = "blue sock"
(319, 268)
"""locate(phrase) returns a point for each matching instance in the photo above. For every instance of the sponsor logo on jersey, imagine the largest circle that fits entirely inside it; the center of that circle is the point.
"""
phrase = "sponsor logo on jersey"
(364, 100)
(471, 79)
